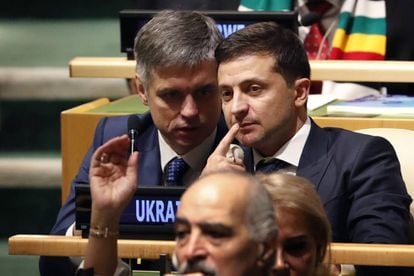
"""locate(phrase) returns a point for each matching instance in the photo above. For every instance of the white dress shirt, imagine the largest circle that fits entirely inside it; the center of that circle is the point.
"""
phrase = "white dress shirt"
(291, 151)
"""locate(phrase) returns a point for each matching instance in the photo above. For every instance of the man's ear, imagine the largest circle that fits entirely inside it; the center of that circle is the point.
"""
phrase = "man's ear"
(142, 93)
(302, 86)
(266, 254)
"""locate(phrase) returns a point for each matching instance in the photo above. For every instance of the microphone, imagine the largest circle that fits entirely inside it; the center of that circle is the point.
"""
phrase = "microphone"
(310, 18)
(134, 124)
(235, 152)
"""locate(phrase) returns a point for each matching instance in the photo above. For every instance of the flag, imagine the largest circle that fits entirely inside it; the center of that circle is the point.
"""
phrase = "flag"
(265, 5)
(361, 31)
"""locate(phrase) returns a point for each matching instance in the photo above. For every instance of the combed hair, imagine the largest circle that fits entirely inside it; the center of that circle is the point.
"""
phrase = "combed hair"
(294, 192)
(260, 214)
(268, 38)
(174, 38)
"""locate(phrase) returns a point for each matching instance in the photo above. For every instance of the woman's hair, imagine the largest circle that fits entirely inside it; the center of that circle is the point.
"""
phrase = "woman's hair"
(294, 192)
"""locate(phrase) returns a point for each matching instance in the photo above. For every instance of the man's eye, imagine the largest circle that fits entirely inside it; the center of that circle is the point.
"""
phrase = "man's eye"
(255, 88)
(181, 234)
(226, 95)
(218, 234)
(206, 90)
(170, 95)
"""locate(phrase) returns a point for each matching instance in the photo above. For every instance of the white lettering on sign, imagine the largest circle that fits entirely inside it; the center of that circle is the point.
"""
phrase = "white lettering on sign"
(228, 29)
(156, 211)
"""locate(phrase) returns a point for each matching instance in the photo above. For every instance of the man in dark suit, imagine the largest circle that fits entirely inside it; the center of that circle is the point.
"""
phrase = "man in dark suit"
(177, 78)
(225, 223)
(264, 78)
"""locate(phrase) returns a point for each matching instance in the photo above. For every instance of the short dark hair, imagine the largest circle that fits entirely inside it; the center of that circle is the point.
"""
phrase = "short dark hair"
(175, 38)
(268, 38)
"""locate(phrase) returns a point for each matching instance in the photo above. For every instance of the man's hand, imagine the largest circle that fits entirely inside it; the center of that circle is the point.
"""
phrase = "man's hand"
(218, 160)
(113, 177)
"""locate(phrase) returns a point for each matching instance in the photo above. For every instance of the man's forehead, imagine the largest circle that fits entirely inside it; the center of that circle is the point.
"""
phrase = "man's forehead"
(182, 76)
(183, 68)
(215, 197)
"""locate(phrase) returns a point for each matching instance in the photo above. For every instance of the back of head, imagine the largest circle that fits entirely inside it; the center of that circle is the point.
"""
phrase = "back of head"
(268, 38)
(175, 38)
(294, 192)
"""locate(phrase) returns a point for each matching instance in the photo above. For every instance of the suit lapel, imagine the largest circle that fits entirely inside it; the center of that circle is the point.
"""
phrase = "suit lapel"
(315, 157)
(149, 168)
(314, 160)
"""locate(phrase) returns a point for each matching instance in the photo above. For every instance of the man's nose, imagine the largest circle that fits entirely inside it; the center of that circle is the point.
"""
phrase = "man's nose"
(239, 106)
(195, 247)
(189, 107)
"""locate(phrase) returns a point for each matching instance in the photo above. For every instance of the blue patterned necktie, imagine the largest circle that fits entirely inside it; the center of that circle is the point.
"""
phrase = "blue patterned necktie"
(175, 171)
(271, 165)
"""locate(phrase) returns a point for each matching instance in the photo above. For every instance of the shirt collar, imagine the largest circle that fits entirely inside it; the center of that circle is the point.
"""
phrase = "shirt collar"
(195, 158)
(291, 151)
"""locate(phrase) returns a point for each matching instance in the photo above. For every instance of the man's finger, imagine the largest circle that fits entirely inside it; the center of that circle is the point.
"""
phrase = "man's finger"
(225, 143)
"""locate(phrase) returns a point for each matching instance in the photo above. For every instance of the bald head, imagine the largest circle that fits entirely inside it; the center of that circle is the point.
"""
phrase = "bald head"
(216, 189)
(226, 224)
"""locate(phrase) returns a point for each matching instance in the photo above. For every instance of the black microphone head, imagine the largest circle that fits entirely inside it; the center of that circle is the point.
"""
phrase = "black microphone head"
(134, 123)
(310, 18)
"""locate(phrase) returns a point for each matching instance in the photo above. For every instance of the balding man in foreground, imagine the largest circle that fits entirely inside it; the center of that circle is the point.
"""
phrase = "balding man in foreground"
(225, 224)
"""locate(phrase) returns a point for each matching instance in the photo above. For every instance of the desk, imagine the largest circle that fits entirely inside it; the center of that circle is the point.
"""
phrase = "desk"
(336, 70)
(341, 253)
(78, 126)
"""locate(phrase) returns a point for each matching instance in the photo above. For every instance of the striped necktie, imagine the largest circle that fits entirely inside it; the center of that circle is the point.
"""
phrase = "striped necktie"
(175, 171)
(271, 165)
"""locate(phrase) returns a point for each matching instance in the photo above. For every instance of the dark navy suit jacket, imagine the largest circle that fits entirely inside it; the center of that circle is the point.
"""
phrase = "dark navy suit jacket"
(359, 181)
(149, 174)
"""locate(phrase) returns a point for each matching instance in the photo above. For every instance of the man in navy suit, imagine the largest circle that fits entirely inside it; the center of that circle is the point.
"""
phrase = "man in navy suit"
(177, 79)
(264, 79)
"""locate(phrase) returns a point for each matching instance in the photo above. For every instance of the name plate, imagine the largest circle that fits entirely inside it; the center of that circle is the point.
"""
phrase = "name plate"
(150, 210)
(227, 22)
(149, 215)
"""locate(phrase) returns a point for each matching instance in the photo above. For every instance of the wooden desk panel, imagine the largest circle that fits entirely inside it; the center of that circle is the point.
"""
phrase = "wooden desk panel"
(77, 129)
(102, 67)
(48, 245)
(336, 70)
(78, 125)
(361, 123)
(341, 253)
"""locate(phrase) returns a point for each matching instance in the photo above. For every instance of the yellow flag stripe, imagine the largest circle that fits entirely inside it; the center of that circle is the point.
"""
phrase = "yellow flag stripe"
(359, 42)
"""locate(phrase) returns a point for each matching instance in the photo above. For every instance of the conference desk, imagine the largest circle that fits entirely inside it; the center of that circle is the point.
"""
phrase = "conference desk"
(341, 253)
(336, 70)
(78, 125)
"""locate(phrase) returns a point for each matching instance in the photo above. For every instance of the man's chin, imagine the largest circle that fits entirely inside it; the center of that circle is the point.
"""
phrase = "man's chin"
(189, 141)
(247, 140)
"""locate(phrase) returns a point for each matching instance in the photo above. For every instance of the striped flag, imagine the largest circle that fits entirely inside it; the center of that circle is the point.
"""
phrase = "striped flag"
(265, 5)
(361, 32)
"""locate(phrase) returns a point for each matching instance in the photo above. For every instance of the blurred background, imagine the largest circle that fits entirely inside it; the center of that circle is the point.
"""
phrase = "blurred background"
(37, 40)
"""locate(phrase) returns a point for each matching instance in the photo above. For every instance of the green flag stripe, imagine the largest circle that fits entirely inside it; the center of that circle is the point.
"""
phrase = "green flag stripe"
(362, 24)
(267, 5)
